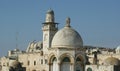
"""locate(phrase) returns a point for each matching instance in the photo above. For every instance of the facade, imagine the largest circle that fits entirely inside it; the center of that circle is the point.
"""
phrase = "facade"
(61, 50)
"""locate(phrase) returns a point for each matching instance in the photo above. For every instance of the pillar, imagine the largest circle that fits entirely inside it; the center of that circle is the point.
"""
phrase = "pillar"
(72, 67)
(58, 66)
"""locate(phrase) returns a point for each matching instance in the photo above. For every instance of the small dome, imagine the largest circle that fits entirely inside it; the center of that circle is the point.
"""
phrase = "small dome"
(34, 46)
(118, 48)
(50, 11)
(16, 49)
(67, 37)
(111, 61)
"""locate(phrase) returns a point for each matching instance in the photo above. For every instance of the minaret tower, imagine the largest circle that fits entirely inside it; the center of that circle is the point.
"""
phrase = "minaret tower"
(49, 29)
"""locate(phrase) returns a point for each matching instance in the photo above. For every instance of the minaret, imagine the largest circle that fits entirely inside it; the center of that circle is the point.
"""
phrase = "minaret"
(49, 29)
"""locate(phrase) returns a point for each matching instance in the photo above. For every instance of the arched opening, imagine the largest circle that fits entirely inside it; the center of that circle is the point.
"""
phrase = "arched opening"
(65, 64)
(53, 64)
(79, 64)
(78, 59)
(89, 69)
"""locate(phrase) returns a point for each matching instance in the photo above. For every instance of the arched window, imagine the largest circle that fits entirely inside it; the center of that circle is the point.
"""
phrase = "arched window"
(78, 64)
(65, 65)
(78, 59)
(66, 59)
(89, 69)
(54, 59)
(54, 65)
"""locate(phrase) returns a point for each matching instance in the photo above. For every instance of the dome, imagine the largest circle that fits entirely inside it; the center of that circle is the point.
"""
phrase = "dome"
(50, 11)
(67, 37)
(34, 46)
(112, 61)
(118, 48)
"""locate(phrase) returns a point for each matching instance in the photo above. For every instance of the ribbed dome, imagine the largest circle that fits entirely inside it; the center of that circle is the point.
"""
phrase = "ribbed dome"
(67, 37)
(112, 61)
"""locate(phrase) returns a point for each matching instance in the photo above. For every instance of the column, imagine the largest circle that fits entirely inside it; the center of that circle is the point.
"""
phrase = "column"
(58, 66)
(72, 66)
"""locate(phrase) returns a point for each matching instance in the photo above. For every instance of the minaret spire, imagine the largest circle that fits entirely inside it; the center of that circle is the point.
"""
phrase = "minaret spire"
(50, 16)
(67, 22)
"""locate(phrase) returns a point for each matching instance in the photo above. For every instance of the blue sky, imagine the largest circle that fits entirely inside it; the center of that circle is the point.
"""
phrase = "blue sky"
(97, 21)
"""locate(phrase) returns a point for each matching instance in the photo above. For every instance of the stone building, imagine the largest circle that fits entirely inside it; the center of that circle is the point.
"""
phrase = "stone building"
(61, 50)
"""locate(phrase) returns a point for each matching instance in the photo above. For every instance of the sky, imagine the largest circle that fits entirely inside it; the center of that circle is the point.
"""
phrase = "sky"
(97, 21)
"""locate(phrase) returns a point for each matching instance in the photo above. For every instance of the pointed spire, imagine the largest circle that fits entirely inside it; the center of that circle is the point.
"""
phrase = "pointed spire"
(67, 22)
(50, 16)
(50, 11)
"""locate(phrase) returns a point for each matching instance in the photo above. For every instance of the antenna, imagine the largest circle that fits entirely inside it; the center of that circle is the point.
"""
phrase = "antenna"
(17, 33)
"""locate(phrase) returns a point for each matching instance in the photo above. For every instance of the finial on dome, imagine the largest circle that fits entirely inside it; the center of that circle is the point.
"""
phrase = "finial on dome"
(67, 22)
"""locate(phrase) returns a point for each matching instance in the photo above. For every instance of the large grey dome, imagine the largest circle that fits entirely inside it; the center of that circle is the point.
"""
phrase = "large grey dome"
(67, 37)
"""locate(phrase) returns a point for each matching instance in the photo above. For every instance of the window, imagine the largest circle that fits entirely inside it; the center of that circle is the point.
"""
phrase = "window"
(45, 61)
(34, 62)
(54, 59)
(78, 59)
(66, 59)
(89, 69)
(45, 37)
(41, 61)
(28, 63)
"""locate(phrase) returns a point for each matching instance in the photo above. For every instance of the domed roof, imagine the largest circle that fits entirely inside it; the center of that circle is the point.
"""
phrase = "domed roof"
(67, 37)
(111, 61)
(118, 48)
(34, 46)
(50, 11)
